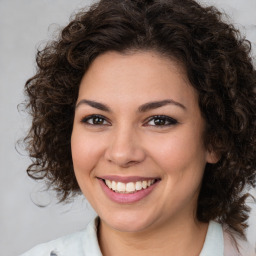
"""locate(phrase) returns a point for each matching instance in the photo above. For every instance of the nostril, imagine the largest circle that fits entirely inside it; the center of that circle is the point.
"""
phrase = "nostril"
(53, 253)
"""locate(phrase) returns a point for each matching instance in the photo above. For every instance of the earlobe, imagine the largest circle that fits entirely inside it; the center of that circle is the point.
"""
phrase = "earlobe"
(212, 157)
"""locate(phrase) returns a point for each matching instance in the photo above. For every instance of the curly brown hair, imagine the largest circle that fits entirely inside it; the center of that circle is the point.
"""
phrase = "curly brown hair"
(218, 65)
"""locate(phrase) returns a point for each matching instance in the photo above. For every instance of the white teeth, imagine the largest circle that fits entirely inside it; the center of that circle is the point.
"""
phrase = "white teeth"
(113, 185)
(138, 185)
(109, 183)
(129, 187)
(144, 184)
(120, 187)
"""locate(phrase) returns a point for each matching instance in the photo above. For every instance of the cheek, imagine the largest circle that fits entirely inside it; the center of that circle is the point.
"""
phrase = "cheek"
(182, 161)
(179, 153)
(86, 152)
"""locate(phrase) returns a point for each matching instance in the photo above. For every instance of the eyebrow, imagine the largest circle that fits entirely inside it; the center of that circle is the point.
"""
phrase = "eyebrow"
(94, 104)
(143, 108)
(157, 104)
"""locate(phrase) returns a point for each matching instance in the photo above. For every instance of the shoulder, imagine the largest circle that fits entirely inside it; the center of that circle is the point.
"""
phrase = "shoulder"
(236, 246)
(220, 241)
(54, 247)
(81, 243)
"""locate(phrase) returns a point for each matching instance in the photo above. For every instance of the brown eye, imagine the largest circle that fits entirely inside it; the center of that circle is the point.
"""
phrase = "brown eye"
(161, 121)
(95, 120)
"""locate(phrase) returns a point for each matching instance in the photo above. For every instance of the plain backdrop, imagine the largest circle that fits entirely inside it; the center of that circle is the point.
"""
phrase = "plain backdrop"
(24, 24)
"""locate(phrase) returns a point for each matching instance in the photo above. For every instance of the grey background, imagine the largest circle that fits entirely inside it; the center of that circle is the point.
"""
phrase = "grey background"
(23, 25)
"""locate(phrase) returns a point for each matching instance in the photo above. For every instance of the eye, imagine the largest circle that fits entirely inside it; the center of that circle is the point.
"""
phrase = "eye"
(161, 121)
(95, 120)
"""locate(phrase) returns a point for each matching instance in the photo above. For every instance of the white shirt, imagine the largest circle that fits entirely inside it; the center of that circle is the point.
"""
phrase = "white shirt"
(85, 243)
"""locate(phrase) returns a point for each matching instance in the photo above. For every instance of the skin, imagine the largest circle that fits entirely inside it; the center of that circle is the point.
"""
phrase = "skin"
(128, 142)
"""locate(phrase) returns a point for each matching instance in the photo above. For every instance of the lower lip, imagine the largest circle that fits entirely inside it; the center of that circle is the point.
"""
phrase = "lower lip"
(126, 198)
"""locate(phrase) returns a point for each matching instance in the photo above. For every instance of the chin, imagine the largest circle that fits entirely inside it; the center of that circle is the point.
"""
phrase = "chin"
(129, 222)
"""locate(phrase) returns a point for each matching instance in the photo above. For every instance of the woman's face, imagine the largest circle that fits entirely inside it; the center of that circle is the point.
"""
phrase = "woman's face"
(137, 141)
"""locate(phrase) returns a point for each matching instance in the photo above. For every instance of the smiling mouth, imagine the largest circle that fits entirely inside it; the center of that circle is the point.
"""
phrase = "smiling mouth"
(130, 187)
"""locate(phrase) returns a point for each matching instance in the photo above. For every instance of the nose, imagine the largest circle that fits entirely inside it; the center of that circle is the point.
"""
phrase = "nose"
(125, 148)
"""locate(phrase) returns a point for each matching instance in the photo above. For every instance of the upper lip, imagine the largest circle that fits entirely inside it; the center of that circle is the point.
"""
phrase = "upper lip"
(126, 179)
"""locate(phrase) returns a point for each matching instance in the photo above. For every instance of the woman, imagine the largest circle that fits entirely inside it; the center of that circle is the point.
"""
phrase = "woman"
(148, 109)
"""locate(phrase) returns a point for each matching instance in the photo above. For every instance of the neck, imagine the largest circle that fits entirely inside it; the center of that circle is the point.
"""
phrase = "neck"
(180, 237)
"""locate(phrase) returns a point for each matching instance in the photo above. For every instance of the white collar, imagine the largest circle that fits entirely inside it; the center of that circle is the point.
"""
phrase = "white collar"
(214, 242)
(90, 240)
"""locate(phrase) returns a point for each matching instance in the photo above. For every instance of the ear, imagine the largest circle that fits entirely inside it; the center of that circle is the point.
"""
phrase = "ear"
(212, 157)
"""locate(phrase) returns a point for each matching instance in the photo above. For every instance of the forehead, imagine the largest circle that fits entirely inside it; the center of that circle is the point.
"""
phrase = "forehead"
(139, 76)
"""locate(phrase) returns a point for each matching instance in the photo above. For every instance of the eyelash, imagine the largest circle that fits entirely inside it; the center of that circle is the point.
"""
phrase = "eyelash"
(169, 120)
(93, 117)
